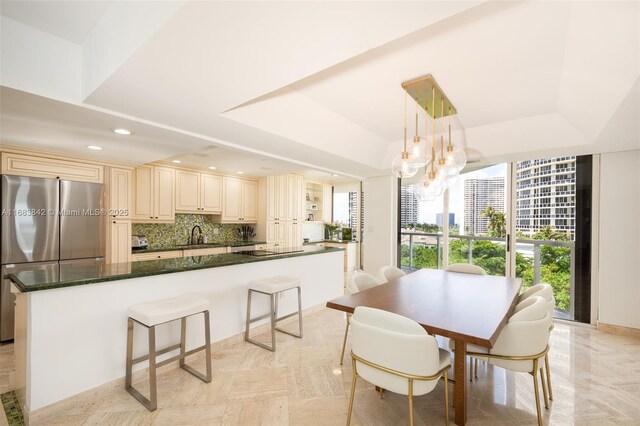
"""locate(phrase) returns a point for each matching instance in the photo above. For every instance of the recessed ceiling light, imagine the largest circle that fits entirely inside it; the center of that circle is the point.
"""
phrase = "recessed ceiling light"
(212, 167)
(121, 131)
(94, 147)
(177, 161)
(240, 173)
(335, 175)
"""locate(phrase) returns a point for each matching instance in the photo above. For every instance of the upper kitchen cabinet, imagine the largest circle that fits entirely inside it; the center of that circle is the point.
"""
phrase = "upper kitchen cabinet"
(276, 197)
(240, 200)
(52, 168)
(198, 192)
(295, 198)
(154, 194)
(120, 193)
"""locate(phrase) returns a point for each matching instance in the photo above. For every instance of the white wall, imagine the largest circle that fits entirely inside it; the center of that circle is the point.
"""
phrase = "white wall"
(619, 248)
(379, 243)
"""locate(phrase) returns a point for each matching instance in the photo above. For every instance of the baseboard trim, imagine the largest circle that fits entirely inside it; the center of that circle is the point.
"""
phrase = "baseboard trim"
(618, 329)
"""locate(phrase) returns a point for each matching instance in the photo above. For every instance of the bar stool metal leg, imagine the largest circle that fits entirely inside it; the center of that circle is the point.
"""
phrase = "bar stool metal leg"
(153, 394)
(246, 330)
(129, 358)
(274, 310)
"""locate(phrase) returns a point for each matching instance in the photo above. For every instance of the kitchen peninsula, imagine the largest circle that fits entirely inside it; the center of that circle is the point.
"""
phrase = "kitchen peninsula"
(71, 322)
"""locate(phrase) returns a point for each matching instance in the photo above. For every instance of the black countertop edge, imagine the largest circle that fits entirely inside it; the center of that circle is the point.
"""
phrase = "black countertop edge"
(195, 246)
(122, 271)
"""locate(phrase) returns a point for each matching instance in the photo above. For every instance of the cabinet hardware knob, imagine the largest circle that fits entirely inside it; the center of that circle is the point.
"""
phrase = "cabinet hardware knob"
(114, 221)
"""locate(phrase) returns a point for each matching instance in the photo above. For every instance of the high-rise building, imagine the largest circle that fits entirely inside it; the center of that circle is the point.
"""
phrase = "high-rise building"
(408, 207)
(478, 195)
(545, 195)
(452, 219)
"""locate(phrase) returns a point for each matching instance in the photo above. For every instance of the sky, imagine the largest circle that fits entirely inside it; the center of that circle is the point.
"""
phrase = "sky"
(427, 209)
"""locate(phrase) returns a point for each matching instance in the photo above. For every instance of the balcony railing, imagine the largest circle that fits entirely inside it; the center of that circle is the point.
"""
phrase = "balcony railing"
(529, 248)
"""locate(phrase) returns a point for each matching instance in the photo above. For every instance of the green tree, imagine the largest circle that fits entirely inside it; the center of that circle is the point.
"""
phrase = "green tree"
(497, 222)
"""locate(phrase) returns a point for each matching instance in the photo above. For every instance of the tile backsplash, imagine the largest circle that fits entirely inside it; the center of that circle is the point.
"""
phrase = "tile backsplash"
(171, 234)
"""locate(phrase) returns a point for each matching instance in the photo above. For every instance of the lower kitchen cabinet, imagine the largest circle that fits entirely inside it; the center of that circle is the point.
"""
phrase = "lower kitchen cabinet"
(156, 255)
(120, 241)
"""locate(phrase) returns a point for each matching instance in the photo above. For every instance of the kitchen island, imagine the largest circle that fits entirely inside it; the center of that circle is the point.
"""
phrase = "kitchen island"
(71, 322)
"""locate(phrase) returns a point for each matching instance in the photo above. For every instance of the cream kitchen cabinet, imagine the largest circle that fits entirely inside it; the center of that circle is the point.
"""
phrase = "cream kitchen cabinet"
(295, 198)
(172, 254)
(240, 200)
(276, 197)
(154, 194)
(198, 192)
(276, 233)
(120, 193)
(52, 168)
(294, 234)
(119, 241)
(204, 251)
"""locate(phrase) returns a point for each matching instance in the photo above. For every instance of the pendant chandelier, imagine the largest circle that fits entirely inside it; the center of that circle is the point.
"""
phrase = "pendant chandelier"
(441, 158)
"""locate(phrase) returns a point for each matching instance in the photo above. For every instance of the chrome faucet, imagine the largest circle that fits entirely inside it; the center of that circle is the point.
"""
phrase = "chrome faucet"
(197, 241)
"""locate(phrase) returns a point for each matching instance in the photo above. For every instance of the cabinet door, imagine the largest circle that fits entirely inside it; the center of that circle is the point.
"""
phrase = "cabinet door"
(249, 201)
(156, 255)
(120, 192)
(294, 234)
(276, 197)
(143, 195)
(120, 239)
(187, 191)
(210, 193)
(295, 197)
(276, 233)
(164, 195)
(232, 199)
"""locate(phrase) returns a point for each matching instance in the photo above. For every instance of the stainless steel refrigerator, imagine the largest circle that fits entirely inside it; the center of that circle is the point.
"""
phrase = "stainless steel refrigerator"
(47, 224)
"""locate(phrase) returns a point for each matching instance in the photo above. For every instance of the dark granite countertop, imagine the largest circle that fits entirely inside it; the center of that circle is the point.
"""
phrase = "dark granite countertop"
(68, 275)
(194, 246)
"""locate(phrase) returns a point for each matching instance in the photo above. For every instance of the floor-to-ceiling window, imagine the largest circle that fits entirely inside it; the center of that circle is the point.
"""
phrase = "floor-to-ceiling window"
(531, 207)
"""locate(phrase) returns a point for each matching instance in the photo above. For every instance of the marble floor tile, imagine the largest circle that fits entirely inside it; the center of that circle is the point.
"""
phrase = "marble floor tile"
(595, 379)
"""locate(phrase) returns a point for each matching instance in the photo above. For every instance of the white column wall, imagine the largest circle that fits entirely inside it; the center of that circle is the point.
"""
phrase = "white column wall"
(379, 243)
(619, 248)
(77, 335)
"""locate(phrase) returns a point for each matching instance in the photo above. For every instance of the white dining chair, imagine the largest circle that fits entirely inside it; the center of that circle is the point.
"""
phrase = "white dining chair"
(466, 268)
(396, 354)
(390, 272)
(359, 281)
(522, 344)
(545, 291)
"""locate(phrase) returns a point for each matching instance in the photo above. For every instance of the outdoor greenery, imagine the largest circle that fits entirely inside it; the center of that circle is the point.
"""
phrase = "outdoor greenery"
(554, 261)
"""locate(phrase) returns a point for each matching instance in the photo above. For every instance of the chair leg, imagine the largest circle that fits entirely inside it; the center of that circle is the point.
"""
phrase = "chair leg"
(183, 339)
(300, 310)
(446, 397)
(410, 402)
(536, 391)
(207, 342)
(344, 341)
(548, 371)
(274, 309)
(353, 391)
(153, 391)
(544, 389)
(246, 330)
(129, 365)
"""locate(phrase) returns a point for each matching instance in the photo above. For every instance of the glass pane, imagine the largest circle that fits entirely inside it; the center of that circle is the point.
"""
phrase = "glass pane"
(420, 230)
(545, 226)
(478, 200)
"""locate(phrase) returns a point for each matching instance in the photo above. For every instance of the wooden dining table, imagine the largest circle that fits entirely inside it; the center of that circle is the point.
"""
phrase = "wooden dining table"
(466, 308)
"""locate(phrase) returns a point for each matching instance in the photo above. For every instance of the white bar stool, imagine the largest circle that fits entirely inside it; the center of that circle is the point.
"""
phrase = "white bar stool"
(272, 287)
(151, 314)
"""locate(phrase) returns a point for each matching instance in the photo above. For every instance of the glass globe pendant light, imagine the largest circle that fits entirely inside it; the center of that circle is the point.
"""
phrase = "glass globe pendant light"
(456, 157)
(405, 165)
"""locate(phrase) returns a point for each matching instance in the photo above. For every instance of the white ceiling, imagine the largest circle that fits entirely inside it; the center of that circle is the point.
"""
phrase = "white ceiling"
(316, 85)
